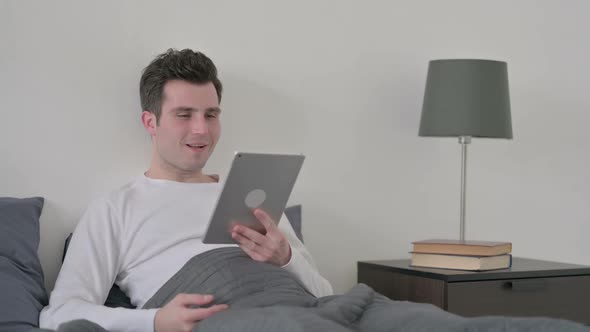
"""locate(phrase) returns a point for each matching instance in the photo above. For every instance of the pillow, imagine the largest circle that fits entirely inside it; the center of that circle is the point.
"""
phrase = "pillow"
(118, 298)
(293, 214)
(22, 290)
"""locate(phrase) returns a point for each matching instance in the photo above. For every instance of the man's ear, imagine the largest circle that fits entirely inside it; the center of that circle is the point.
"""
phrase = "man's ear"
(149, 122)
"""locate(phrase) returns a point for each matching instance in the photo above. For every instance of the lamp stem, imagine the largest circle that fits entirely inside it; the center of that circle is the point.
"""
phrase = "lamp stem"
(463, 140)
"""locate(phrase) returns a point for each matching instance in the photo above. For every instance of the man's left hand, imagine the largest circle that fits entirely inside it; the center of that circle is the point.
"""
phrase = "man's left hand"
(271, 247)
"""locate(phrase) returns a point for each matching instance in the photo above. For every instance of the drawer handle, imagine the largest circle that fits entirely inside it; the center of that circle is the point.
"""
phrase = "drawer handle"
(525, 285)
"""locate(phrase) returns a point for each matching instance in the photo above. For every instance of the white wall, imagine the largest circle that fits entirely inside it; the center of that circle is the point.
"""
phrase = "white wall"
(339, 81)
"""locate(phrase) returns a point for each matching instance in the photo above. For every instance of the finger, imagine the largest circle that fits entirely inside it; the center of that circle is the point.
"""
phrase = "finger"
(253, 253)
(250, 234)
(273, 233)
(265, 219)
(196, 315)
(192, 299)
(242, 240)
(246, 244)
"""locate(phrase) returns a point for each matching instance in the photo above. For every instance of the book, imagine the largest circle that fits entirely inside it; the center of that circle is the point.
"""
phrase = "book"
(457, 247)
(459, 262)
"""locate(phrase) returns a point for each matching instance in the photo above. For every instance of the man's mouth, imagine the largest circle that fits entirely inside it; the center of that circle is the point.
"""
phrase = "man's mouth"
(196, 147)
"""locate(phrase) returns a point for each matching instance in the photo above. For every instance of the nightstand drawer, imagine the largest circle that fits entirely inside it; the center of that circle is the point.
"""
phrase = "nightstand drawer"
(559, 297)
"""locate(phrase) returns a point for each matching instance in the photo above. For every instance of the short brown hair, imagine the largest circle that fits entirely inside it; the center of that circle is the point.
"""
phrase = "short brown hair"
(186, 65)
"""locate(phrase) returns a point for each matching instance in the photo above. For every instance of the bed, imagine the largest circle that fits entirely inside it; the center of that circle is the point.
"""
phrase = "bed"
(261, 297)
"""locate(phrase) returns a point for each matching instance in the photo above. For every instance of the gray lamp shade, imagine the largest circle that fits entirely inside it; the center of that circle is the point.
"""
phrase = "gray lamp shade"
(466, 97)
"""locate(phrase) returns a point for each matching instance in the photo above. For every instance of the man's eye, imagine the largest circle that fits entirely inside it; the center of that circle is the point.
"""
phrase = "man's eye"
(211, 115)
(183, 115)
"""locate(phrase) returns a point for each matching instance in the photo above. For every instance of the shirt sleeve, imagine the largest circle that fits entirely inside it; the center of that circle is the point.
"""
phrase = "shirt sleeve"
(88, 273)
(302, 264)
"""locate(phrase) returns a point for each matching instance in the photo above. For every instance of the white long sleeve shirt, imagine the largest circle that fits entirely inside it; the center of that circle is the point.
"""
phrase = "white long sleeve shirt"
(138, 237)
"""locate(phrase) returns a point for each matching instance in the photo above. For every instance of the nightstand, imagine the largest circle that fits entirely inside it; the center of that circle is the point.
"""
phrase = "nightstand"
(529, 288)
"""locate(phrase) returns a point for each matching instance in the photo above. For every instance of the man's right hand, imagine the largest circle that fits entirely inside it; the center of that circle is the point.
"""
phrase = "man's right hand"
(178, 316)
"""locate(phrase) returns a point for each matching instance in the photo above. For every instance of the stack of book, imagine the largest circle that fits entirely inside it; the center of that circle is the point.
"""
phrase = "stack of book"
(462, 255)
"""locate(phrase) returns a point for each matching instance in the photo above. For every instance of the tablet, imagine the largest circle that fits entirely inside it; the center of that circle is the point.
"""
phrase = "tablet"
(255, 180)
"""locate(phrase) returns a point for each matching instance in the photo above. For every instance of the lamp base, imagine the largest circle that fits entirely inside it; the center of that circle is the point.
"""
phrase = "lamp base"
(463, 140)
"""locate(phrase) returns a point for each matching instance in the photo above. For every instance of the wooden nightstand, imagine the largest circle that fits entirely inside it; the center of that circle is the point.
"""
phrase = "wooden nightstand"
(529, 288)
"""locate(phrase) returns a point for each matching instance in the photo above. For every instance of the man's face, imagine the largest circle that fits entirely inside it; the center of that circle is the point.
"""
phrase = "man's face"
(189, 127)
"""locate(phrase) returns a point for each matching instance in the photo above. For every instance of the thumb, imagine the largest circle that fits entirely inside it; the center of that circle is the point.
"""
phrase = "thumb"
(192, 299)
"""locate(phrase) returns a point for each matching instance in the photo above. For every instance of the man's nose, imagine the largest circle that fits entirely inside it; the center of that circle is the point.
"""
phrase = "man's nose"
(199, 124)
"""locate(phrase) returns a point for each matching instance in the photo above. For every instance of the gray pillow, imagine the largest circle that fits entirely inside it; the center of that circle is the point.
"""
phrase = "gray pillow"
(293, 214)
(22, 290)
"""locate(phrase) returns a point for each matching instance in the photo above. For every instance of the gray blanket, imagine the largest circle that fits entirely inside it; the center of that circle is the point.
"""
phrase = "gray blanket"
(262, 297)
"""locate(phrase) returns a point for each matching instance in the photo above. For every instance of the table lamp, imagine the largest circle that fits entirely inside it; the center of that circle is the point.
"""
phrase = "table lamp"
(466, 98)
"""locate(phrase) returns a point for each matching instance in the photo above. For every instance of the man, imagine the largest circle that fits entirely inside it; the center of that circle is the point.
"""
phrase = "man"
(140, 235)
